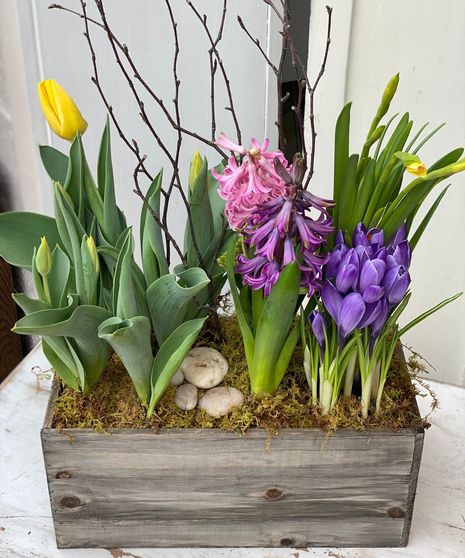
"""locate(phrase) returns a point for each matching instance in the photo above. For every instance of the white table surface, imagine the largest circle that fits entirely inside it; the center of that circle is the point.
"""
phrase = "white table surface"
(26, 529)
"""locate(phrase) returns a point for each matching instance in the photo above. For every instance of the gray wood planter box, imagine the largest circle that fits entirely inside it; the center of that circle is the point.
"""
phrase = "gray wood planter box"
(193, 488)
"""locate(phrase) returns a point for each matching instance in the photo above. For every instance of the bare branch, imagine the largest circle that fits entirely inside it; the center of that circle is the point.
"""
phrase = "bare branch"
(256, 42)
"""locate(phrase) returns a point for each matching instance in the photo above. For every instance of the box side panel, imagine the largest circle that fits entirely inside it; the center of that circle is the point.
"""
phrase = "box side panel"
(213, 488)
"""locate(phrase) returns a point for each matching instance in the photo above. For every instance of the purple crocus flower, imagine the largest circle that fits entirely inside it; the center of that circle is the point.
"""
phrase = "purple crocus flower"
(318, 325)
(283, 231)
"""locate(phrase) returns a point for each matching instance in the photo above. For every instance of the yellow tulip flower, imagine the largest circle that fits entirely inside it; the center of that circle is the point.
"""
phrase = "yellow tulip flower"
(60, 110)
(195, 168)
(43, 258)
(418, 169)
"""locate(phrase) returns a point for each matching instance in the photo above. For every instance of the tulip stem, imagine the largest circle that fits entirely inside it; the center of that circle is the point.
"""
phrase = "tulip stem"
(46, 289)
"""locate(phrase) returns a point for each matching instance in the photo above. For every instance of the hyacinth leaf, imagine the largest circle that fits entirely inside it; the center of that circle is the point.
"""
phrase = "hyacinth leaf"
(348, 194)
(285, 355)
(428, 313)
(168, 299)
(77, 322)
(55, 163)
(424, 223)
(202, 219)
(111, 224)
(341, 155)
(20, 233)
(413, 195)
(69, 375)
(154, 260)
(247, 336)
(257, 306)
(273, 326)
(170, 356)
(131, 341)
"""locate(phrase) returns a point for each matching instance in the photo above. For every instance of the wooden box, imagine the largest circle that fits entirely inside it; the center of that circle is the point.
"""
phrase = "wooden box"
(194, 488)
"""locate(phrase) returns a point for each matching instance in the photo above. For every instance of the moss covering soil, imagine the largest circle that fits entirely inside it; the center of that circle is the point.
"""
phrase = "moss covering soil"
(113, 402)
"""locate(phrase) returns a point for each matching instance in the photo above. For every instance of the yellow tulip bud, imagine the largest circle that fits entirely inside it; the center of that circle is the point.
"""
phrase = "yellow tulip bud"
(195, 168)
(93, 253)
(60, 110)
(43, 258)
(417, 168)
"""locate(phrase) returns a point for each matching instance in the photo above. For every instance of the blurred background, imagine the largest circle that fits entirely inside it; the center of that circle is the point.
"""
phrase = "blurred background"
(371, 41)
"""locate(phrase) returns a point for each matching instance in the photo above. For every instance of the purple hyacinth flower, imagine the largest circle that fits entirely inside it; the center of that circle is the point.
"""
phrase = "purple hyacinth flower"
(396, 283)
(318, 325)
(351, 312)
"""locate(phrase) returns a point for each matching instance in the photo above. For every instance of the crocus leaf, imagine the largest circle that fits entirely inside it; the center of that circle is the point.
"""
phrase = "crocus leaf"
(425, 221)
(273, 326)
(131, 341)
(20, 233)
(167, 299)
(55, 163)
(428, 313)
(170, 356)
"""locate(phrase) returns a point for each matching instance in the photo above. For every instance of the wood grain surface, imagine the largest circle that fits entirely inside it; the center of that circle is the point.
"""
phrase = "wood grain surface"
(10, 343)
(188, 488)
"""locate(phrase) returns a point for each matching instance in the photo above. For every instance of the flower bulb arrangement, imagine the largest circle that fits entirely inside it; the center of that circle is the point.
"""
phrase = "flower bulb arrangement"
(317, 286)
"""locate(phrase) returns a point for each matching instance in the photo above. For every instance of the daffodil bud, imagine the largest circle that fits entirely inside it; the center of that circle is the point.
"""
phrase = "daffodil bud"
(412, 163)
(195, 168)
(418, 169)
(60, 110)
(389, 93)
(93, 253)
(43, 258)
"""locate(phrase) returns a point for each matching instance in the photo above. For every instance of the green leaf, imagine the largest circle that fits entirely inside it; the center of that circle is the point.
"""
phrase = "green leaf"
(55, 163)
(348, 195)
(285, 356)
(168, 300)
(58, 277)
(424, 223)
(273, 326)
(341, 155)
(69, 375)
(111, 225)
(428, 137)
(202, 219)
(20, 233)
(170, 356)
(217, 204)
(131, 341)
(27, 304)
(365, 190)
(428, 313)
(447, 159)
(154, 260)
(247, 336)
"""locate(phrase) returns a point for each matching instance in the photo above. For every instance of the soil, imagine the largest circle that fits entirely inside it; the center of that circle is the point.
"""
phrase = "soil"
(113, 402)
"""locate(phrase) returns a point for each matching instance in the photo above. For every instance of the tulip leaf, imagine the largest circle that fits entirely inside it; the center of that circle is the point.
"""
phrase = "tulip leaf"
(168, 299)
(424, 223)
(111, 224)
(153, 251)
(20, 233)
(55, 163)
(58, 277)
(202, 219)
(27, 304)
(170, 356)
(131, 340)
(55, 357)
(273, 326)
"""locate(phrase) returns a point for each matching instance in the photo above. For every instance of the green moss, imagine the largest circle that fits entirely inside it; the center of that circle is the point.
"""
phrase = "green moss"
(114, 403)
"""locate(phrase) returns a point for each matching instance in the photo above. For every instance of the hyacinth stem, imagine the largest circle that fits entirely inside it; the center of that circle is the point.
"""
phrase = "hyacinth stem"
(379, 397)
(366, 394)
(326, 397)
(349, 376)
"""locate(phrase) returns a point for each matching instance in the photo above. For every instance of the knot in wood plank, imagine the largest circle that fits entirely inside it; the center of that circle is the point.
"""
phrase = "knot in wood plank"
(273, 493)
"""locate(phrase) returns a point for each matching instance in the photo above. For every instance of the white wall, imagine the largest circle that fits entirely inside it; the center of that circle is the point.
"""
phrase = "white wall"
(425, 41)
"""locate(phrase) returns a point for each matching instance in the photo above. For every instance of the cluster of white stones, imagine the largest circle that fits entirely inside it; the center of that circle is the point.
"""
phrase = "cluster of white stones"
(205, 368)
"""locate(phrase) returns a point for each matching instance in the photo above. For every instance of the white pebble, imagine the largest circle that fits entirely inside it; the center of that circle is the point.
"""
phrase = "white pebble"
(178, 378)
(186, 397)
(204, 367)
(217, 402)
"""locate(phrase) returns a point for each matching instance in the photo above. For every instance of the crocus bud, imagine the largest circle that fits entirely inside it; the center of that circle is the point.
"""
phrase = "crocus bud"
(43, 258)
(318, 325)
(60, 110)
(195, 168)
(396, 283)
(93, 253)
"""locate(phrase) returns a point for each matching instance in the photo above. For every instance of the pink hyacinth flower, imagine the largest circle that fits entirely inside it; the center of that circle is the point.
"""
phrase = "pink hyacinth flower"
(251, 183)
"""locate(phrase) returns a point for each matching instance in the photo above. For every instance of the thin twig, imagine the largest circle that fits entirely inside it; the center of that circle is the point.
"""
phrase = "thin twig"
(256, 42)
(214, 51)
